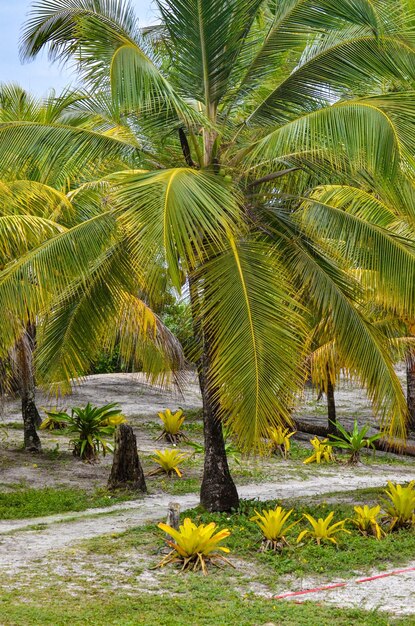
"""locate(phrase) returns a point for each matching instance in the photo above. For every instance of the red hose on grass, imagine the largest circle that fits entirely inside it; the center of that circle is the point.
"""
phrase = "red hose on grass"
(336, 585)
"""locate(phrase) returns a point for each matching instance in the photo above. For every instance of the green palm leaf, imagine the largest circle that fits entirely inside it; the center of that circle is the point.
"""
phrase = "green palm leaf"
(254, 323)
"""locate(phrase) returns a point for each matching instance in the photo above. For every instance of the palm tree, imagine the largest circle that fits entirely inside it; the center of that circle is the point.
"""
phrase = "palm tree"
(385, 207)
(240, 108)
(33, 208)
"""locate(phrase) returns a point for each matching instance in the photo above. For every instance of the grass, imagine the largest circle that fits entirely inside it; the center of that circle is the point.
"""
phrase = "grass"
(203, 602)
(355, 552)
(173, 485)
(128, 592)
(26, 502)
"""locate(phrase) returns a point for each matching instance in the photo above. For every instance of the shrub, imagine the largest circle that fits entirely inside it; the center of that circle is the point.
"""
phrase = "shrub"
(172, 423)
(354, 441)
(400, 509)
(321, 530)
(323, 452)
(280, 440)
(194, 546)
(273, 525)
(366, 521)
(168, 460)
(91, 425)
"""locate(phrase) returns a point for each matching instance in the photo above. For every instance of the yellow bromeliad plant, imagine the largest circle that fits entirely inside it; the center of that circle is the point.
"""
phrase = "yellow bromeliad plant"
(168, 461)
(172, 423)
(323, 452)
(280, 440)
(274, 527)
(400, 506)
(322, 530)
(367, 522)
(194, 546)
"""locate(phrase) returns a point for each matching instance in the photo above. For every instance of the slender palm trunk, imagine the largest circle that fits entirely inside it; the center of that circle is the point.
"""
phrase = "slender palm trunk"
(218, 491)
(331, 409)
(23, 361)
(410, 390)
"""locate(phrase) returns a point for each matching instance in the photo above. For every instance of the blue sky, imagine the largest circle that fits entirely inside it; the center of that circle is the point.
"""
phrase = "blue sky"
(38, 76)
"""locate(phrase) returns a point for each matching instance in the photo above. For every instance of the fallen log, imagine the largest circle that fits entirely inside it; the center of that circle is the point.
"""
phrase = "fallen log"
(397, 446)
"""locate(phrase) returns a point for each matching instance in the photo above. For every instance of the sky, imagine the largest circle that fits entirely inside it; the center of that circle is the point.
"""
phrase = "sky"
(39, 76)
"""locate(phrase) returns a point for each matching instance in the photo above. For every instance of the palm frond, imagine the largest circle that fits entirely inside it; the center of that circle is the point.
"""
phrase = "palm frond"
(256, 330)
(98, 313)
(349, 132)
(365, 227)
(176, 215)
(206, 37)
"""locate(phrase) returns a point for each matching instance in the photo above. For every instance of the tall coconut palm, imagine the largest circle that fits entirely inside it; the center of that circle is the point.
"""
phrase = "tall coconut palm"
(240, 108)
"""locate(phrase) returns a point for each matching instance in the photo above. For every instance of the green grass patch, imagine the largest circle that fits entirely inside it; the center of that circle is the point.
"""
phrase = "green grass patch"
(202, 602)
(174, 485)
(355, 553)
(25, 502)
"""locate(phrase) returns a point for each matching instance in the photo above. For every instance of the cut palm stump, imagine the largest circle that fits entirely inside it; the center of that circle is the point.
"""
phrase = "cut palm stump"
(126, 471)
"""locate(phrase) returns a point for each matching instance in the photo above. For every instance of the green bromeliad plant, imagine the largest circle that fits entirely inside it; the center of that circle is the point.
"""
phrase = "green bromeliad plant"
(354, 441)
(91, 426)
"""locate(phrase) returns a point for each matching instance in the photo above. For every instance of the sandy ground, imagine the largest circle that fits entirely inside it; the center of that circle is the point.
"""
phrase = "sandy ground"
(21, 548)
(16, 548)
(135, 395)
(139, 402)
(394, 594)
(20, 545)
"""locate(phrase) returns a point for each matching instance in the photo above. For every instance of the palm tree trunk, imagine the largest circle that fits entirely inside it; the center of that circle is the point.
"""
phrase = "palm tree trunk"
(410, 390)
(331, 409)
(23, 362)
(218, 491)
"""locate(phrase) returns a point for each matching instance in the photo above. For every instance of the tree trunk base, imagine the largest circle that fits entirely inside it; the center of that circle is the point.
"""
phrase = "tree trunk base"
(126, 471)
(218, 496)
(218, 492)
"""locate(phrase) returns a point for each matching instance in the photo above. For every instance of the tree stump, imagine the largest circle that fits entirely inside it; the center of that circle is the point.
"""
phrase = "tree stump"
(126, 471)
(173, 515)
